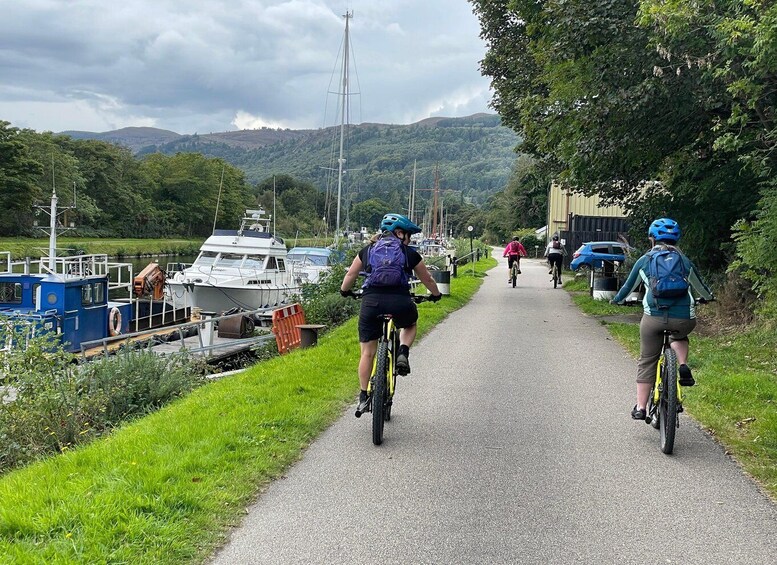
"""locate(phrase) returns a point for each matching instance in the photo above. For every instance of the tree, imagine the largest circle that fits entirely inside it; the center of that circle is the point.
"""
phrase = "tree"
(612, 94)
(18, 174)
(369, 213)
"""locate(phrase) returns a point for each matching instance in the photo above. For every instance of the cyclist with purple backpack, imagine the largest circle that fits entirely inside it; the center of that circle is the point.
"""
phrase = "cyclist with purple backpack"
(387, 264)
(669, 278)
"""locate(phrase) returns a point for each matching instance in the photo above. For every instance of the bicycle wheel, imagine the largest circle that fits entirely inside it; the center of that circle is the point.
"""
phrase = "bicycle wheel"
(391, 377)
(379, 393)
(667, 404)
(556, 278)
(514, 275)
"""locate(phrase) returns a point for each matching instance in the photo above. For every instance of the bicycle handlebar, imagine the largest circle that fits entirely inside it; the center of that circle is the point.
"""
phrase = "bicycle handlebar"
(417, 298)
(699, 300)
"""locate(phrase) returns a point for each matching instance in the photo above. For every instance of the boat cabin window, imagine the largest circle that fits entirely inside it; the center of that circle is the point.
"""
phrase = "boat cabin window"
(11, 292)
(272, 264)
(98, 293)
(206, 258)
(86, 295)
(254, 262)
(281, 265)
(92, 294)
(230, 260)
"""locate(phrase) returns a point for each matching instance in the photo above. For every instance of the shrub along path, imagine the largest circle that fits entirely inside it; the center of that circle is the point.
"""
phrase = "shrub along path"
(166, 488)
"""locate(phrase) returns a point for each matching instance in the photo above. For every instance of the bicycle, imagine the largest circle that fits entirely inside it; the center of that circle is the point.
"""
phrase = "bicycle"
(382, 383)
(556, 275)
(666, 397)
(515, 270)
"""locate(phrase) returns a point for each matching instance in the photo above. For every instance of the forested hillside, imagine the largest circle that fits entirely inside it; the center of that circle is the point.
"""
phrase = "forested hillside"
(171, 185)
(474, 154)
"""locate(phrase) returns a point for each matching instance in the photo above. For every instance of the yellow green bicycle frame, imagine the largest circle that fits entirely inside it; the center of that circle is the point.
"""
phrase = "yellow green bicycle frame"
(389, 331)
(659, 381)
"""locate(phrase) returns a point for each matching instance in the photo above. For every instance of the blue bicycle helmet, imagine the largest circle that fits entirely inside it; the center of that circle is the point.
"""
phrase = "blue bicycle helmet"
(391, 222)
(665, 229)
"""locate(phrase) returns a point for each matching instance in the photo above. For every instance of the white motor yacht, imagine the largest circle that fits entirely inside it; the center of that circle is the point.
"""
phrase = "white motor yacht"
(244, 268)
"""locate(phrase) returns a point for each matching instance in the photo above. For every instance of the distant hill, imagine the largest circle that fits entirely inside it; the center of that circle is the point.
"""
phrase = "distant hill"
(474, 154)
(133, 138)
(149, 140)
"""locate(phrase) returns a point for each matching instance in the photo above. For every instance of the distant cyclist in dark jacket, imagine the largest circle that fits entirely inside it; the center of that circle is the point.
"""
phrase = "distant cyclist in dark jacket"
(677, 315)
(394, 300)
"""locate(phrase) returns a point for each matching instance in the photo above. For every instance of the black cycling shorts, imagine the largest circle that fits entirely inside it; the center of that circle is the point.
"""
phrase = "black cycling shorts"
(373, 305)
(511, 259)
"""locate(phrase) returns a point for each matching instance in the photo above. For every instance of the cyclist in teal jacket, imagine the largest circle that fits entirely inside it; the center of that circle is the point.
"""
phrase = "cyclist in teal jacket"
(677, 314)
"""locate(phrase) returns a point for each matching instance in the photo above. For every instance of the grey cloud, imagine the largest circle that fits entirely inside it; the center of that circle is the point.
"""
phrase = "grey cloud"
(192, 66)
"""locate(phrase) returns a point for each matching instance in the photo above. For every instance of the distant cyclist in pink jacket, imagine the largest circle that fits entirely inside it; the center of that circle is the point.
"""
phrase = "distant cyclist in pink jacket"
(514, 251)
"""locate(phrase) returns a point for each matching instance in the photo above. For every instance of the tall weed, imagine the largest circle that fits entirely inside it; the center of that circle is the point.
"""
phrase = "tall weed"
(60, 404)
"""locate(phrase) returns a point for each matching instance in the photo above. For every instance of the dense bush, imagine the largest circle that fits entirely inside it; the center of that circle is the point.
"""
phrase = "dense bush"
(462, 245)
(60, 404)
(322, 302)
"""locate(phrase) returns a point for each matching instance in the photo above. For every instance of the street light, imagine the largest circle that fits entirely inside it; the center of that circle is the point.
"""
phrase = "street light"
(471, 252)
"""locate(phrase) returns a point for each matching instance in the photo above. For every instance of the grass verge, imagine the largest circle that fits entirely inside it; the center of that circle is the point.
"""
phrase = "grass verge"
(166, 488)
(30, 247)
(735, 397)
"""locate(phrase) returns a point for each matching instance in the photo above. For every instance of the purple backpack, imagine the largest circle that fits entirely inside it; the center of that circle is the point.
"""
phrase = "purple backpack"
(386, 264)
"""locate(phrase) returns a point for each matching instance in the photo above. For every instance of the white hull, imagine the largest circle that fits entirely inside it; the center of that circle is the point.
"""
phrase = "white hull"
(219, 298)
(243, 269)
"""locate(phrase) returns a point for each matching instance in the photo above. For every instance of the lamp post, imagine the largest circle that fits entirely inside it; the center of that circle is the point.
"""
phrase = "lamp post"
(471, 253)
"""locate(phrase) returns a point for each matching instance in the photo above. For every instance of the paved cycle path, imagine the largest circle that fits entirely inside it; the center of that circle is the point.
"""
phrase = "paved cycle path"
(511, 442)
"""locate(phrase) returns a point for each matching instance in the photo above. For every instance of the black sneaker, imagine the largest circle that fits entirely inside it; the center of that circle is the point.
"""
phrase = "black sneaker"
(638, 414)
(403, 365)
(365, 405)
(686, 379)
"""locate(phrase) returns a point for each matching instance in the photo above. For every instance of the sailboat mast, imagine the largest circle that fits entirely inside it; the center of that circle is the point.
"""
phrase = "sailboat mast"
(344, 115)
(411, 206)
(435, 200)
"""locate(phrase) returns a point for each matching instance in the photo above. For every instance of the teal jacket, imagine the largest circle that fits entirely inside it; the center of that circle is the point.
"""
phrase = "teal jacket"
(683, 307)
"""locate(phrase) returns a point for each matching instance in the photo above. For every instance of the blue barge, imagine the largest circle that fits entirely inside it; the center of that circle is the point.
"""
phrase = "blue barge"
(72, 297)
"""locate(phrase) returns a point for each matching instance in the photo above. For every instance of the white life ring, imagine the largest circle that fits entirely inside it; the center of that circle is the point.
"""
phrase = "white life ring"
(114, 321)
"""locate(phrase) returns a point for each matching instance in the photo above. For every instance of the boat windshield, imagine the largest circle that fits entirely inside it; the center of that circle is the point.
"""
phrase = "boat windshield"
(254, 262)
(230, 260)
(206, 258)
(303, 259)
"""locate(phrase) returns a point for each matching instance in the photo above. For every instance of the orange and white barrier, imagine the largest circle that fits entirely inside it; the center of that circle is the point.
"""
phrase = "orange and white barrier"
(284, 325)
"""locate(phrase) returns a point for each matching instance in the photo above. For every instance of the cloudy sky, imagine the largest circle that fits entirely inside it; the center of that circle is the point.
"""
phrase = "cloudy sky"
(219, 65)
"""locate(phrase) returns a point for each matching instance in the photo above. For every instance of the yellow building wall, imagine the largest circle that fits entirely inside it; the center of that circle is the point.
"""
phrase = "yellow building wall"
(561, 203)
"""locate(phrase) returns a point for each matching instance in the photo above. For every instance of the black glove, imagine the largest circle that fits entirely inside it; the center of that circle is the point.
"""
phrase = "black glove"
(435, 297)
(346, 293)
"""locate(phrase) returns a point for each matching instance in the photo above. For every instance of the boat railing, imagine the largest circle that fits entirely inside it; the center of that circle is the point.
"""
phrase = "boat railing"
(177, 267)
(6, 262)
(199, 332)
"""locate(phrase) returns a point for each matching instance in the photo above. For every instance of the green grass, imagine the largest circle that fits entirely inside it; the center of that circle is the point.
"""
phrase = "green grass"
(735, 397)
(29, 247)
(166, 488)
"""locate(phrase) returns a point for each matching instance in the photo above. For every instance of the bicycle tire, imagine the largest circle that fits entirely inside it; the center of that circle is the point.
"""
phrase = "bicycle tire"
(667, 407)
(555, 276)
(379, 393)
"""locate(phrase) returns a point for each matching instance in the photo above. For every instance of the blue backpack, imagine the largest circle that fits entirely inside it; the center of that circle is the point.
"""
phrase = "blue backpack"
(386, 263)
(667, 275)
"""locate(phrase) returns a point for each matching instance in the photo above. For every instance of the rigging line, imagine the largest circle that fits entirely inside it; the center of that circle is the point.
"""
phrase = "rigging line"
(218, 200)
